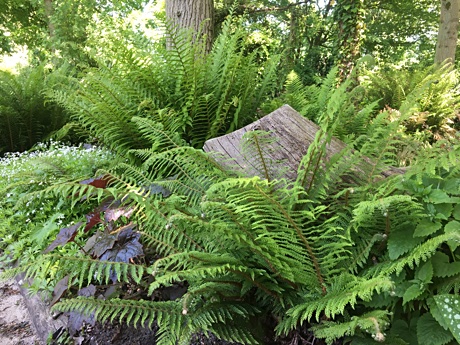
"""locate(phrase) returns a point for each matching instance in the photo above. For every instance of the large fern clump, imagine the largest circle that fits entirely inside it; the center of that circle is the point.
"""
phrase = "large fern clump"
(196, 95)
(231, 249)
(425, 99)
(432, 92)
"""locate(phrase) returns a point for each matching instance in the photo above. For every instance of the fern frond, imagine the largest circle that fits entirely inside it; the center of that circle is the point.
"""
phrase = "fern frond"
(374, 322)
(259, 151)
(420, 253)
(141, 312)
(278, 224)
(346, 290)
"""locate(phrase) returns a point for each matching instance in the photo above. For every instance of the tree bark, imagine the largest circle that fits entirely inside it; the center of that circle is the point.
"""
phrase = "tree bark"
(350, 17)
(48, 4)
(197, 15)
(448, 32)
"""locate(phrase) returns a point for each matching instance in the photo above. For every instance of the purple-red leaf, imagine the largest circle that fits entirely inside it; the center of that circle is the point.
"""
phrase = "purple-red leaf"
(77, 319)
(65, 235)
(126, 247)
(103, 242)
(115, 213)
(98, 182)
(92, 219)
(59, 290)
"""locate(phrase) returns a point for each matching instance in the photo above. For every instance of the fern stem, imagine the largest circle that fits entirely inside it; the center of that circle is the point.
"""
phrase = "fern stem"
(256, 251)
(315, 171)
(304, 180)
(259, 151)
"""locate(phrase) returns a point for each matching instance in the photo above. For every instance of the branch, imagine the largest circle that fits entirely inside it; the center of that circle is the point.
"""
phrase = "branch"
(251, 9)
(242, 9)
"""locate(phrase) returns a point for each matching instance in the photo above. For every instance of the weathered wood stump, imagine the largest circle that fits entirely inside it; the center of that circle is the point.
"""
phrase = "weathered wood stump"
(293, 133)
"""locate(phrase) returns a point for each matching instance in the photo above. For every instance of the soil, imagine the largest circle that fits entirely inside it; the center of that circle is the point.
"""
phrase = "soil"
(15, 326)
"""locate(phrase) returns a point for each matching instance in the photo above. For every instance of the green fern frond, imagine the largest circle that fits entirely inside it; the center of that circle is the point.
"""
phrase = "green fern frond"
(345, 290)
(155, 132)
(420, 253)
(260, 153)
(141, 312)
(279, 224)
(374, 322)
(85, 269)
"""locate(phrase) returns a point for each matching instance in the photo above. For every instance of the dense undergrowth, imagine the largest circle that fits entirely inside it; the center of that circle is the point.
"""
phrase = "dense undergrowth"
(25, 117)
(171, 238)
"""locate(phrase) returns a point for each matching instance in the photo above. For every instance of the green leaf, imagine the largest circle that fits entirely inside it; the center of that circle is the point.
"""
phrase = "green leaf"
(442, 267)
(424, 273)
(456, 212)
(438, 196)
(436, 313)
(443, 211)
(413, 292)
(430, 332)
(452, 186)
(401, 330)
(452, 226)
(426, 227)
(402, 241)
(449, 307)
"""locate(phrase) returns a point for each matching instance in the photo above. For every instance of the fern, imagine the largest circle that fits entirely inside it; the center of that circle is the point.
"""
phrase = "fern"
(428, 96)
(194, 95)
(374, 322)
(317, 252)
(25, 118)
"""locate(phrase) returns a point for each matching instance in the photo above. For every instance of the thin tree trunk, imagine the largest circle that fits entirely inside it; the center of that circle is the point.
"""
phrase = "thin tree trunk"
(448, 32)
(197, 15)
(49, 13)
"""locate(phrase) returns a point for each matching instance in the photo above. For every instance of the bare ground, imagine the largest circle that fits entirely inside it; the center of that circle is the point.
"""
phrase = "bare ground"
(15, 326)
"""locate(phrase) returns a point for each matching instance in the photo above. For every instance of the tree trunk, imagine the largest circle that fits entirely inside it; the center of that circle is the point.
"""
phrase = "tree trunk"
(350, 17)
(197, 15)
(48, 4)
(448, 32)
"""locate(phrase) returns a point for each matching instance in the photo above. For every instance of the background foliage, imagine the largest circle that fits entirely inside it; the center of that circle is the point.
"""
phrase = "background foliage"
(25, 117)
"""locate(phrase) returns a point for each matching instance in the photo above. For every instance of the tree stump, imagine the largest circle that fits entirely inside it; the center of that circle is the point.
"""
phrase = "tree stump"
(293, 134)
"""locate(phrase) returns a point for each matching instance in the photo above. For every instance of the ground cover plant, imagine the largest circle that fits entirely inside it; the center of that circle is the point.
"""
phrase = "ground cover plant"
(172, 239)
(27, 222)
